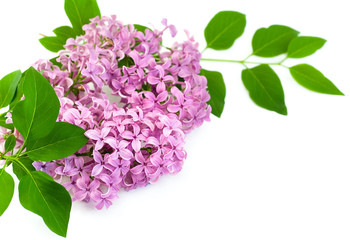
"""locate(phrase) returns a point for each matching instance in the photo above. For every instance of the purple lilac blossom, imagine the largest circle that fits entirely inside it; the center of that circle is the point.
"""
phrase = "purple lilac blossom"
(141, 137)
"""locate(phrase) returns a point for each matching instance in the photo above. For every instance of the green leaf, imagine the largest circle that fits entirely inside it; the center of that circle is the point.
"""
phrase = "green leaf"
(36, 115)
(272, 41)
(217, 91)
(53, 44)
(7, 188)
(56, 43)
(54, 62)
(10, 143)
(223, 29)
(64, 32)
(4, 124)
(141, 28)
(79, 13)
(312, 79)
(64, 140)
(19, 93)
(265, 88)
(18, 169)
(40, 194)
(8, 86)
(301, 47)
(126, 61)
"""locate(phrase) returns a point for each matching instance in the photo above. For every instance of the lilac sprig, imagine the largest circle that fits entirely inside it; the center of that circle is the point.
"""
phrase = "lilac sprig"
(133, 141)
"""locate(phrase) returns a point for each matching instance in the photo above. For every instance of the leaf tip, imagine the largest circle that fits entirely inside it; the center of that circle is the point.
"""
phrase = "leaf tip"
(217, 114)
(284, 112)
(282, 109)
(339, 93)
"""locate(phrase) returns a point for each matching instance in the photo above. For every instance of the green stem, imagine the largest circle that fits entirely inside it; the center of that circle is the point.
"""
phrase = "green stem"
(243, 62)
(248, 57)
(8, 160)
(22, 165)
(284, 66)
(21, 149)
(222, 60)
(3, 168)
(284, 59)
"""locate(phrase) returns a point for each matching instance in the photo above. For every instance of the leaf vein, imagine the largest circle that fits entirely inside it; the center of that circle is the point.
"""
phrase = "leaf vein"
(270, 43)
(225, 30)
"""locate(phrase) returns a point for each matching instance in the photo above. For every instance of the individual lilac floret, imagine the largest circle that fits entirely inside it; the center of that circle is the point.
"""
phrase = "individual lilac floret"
(140, 137)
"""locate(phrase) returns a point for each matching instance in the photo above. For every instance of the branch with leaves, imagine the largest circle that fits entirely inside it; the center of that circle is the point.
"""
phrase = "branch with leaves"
(41, 139)
(263, 84)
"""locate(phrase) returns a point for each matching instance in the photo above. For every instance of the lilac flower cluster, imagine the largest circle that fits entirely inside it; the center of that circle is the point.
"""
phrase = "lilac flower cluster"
(138, 137)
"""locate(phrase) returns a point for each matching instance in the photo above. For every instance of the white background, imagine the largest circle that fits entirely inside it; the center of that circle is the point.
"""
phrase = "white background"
(253, 174)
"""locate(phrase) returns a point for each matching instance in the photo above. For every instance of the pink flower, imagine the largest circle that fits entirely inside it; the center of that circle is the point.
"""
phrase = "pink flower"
(85, 188)
(160, 99)
(99, 136)
(100, 163)
(157, 167)
(103, 199)
(81, 118)
(159, 77)
(172, 28)
(170, 125)
(135, 136)
(93, 71)
(179, 104)
(141, 168)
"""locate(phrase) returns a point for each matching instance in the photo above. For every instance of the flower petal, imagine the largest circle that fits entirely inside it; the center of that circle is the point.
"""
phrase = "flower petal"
(126, 154)
(152, 80)
(127, 135)
(97, 156)
(96, 170)
(173, 108)
(93, 134)
(153, 141)
(111, 142)
(137, 169)
(136, 145)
